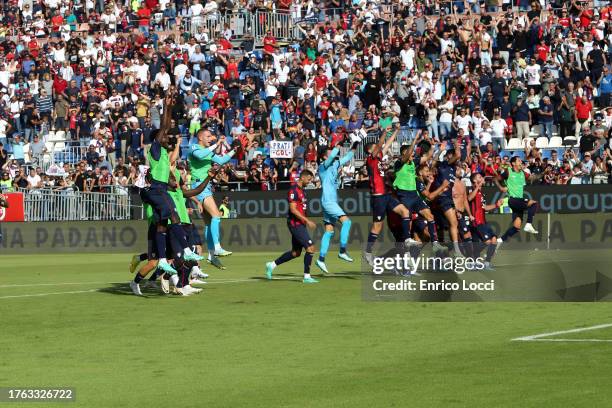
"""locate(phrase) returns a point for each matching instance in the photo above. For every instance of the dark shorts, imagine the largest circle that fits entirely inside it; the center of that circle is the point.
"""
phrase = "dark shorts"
(445, 203)
(411, 200)
(381, 204)
(464, 225)
(419, 225)
(160, 201)
(518, 206)
(394, 222)
(299, 237)
(484, 232)
(152, 247)
(193, 236)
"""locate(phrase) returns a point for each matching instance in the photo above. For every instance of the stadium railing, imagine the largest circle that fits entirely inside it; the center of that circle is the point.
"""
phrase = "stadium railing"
(47, 204)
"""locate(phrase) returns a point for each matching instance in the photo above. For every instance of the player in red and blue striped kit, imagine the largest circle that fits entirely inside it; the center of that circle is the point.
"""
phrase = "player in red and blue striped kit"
(298, 222)
(480, 227)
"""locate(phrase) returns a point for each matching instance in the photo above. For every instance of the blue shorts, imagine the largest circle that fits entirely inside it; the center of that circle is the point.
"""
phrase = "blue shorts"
(299, 237)
(208, 190)
(161, 202)
(484, 232)
(152, 249)
(381, 204)
(445, 203)
(411, 200)
(419, 225)
(331, 213)
(518, 206)
(464, 224)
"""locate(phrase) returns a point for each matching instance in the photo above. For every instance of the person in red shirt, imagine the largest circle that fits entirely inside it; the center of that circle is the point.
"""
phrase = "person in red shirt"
(320, 80)
(59, 85)
(584, 108)
(269, 43)
(480, 228)
(380, 192)
(298, 222)
(542, 50)
(56, 22)
(144, 18)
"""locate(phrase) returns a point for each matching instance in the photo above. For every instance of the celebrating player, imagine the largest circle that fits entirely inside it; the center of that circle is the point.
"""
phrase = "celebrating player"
(464, 215)
(380, 192)
(298, 222)
(332, 213)
(201, 158)
(444, 203)
(518, 203)
(157, 195)
(480, 227)
(406, 186)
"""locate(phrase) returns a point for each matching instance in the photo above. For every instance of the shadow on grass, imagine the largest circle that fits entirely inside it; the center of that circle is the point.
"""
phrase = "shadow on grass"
(124, 289)
(298, 278)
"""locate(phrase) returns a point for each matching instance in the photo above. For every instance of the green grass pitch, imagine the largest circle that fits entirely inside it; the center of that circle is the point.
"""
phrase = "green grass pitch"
(70, 320)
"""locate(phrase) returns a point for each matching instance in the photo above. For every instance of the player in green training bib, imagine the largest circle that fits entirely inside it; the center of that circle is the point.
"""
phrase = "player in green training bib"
(518, 203)
(178, 192)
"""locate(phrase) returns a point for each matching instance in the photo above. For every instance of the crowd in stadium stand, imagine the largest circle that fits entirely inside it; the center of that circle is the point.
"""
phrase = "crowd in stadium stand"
(531, 78)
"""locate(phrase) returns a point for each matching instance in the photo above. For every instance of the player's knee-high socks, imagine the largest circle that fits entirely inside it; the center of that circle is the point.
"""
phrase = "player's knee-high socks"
(345, 231)
(511, 231)
(490, 252)
(214, 229)
(286, 257)
(372, 237)
(179, 234)
(307, 262)
(431, 228)
(406, 227)
(160, 244)
(531, 212)
(325, 239)
(209, 240)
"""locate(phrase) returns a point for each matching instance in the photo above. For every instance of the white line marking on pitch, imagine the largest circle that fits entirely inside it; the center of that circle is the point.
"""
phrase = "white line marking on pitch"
(49, 294)
(98, 289)
(541, 337)
(100, 283)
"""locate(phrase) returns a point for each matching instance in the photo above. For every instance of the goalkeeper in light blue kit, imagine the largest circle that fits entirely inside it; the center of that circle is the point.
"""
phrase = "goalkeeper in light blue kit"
(201, 158)
(332, 213)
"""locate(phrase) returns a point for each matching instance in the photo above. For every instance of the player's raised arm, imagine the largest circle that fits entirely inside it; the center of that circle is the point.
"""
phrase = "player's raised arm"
(331, 157)
(176, 151)
(389, 142)
(457, 154)
(409, 153)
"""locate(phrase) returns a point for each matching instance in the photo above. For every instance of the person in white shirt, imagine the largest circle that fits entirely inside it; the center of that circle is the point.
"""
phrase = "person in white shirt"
(163, 78)
(463, 121)
(484, 136)
(498, 131)
(532, 71)
(179, 71)
(142, 70)
(477, 119)
(34, 180)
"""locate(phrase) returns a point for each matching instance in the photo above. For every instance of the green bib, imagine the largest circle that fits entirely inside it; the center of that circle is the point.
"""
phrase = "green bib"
(515, 183)
(179, 200)
(160, 169)
(405, 177)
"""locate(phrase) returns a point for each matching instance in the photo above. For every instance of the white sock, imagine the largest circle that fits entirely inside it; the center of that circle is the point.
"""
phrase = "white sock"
(210, 255)
(456, 246)
(306, 275)
(187, 251)
(174, 279)
(217, 247)
(163, 260)
(274, 265)
(196, 269)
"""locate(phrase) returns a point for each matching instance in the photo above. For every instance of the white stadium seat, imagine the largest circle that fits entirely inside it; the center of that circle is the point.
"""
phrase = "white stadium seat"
(570, 141)
(514, 143)
(542, 142)
(555, 141)
(59, 147)
(527, 141)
